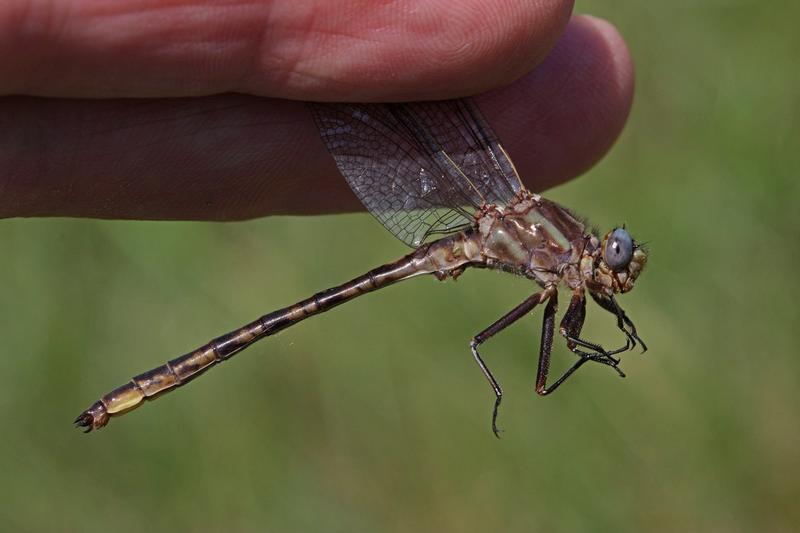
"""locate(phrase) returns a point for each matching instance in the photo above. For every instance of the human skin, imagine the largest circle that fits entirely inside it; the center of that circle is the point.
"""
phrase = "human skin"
(153, 109)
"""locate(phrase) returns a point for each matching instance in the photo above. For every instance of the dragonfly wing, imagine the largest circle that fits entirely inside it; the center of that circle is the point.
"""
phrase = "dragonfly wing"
(458, 129)
(422, 168)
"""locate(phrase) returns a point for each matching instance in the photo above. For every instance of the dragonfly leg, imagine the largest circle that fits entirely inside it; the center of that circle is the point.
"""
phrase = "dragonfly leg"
(573, 321)
(609, 303)
(570, 328)
(545, 348)
(502, 323)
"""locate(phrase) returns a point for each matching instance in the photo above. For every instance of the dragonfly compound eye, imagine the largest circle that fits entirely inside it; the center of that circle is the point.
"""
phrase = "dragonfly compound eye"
(619, 250)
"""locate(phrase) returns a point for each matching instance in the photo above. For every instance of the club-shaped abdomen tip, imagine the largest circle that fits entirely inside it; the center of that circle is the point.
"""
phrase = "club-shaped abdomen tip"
(94, 417)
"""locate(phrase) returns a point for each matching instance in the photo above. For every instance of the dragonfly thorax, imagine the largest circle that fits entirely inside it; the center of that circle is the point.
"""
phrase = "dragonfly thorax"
(533, 237)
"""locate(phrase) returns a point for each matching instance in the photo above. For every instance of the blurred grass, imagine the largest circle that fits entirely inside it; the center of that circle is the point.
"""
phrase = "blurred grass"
(373, 417)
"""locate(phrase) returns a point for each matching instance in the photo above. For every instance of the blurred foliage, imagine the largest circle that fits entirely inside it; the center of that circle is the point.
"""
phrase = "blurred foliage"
(374, 417)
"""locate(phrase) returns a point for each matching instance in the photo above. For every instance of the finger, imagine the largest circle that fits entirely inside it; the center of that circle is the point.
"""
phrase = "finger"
(565, 115)
(233, 157)
(359, 50)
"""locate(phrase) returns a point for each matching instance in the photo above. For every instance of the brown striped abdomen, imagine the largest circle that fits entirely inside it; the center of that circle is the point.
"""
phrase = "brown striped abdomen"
(440, 256)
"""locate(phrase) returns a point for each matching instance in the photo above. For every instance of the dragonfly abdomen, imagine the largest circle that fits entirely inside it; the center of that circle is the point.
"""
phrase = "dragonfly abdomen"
(443, 255)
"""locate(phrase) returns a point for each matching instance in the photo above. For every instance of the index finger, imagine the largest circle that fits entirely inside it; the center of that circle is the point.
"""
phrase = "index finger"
(356, 50)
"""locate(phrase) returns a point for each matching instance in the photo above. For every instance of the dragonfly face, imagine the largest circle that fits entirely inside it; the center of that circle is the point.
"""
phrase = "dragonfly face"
(615, 263)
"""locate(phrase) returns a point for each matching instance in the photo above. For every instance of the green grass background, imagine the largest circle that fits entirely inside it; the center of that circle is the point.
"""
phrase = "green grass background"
(374, 416)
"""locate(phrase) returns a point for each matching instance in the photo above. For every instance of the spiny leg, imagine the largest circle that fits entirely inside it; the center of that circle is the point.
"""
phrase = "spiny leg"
(571, 326)
(546, 346)
(506, 320)
(609, 303)
(622, 316)
(548, 328)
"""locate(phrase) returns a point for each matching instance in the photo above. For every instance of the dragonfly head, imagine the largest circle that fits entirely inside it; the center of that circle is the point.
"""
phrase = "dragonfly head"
(617, 262)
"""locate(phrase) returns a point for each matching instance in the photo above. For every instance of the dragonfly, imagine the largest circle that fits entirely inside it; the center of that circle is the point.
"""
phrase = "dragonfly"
(437, 177)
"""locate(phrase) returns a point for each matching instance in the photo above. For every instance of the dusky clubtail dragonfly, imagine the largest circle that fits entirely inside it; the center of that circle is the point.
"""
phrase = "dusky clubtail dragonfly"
(436, 169)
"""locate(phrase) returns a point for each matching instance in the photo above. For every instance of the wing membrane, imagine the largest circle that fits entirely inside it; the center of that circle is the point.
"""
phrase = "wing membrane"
(420, 168)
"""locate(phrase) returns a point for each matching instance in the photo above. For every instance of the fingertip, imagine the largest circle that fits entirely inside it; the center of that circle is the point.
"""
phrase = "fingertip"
(618, 59)
(564, 116)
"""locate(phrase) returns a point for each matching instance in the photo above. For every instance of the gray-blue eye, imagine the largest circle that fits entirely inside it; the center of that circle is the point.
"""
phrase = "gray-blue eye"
(619, 250)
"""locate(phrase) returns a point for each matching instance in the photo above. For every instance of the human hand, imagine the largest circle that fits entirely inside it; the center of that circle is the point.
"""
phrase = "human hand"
(140, 119)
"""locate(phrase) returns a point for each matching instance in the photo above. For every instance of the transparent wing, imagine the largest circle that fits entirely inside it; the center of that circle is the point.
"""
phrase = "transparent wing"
(420, 168)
